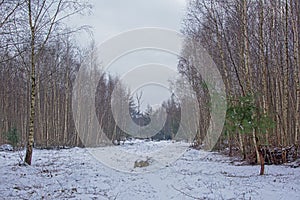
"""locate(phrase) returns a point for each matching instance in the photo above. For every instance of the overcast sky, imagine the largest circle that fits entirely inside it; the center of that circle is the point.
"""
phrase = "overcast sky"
(112, 17)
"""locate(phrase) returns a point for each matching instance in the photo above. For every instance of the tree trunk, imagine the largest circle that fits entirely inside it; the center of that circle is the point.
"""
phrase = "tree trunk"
(67, 93)
(262, 163)
(30, 141)
(295, 22)
(263, 65)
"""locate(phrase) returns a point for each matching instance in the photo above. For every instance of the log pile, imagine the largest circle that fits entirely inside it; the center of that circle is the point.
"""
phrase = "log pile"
(279, 155)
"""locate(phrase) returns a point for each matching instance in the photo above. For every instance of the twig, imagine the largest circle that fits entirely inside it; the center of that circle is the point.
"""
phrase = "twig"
(188, 195)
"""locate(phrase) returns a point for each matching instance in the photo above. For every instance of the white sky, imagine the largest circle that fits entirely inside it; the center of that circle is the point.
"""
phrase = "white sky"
(112, 17)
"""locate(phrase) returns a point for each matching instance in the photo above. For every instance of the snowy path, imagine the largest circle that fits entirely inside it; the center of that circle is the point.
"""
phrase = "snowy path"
(75, 174)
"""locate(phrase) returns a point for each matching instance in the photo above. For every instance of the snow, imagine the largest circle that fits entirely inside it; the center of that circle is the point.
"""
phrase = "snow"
(77, 174)
(6, 147)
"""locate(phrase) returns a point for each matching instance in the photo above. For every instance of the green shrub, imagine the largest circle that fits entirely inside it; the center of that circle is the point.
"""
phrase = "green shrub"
(12, 137)
(244, 116)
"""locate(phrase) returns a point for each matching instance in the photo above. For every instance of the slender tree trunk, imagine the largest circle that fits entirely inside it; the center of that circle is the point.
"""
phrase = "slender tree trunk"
(39, 117)
(286, 76)
(295, 24)
(45, 118)
(262, 163)
(263, 64)
(65, 134)
(30, 141)
(242, 147)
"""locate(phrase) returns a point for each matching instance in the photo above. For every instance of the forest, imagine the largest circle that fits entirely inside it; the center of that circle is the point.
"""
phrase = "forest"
(254, 43)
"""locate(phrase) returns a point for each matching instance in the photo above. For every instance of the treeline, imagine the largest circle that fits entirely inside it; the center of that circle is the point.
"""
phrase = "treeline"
(39, 62)
(255, 44)
(57, 66)
(113, 102)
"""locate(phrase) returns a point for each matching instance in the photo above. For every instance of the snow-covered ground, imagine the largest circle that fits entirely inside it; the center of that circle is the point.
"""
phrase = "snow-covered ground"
(76, 174)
